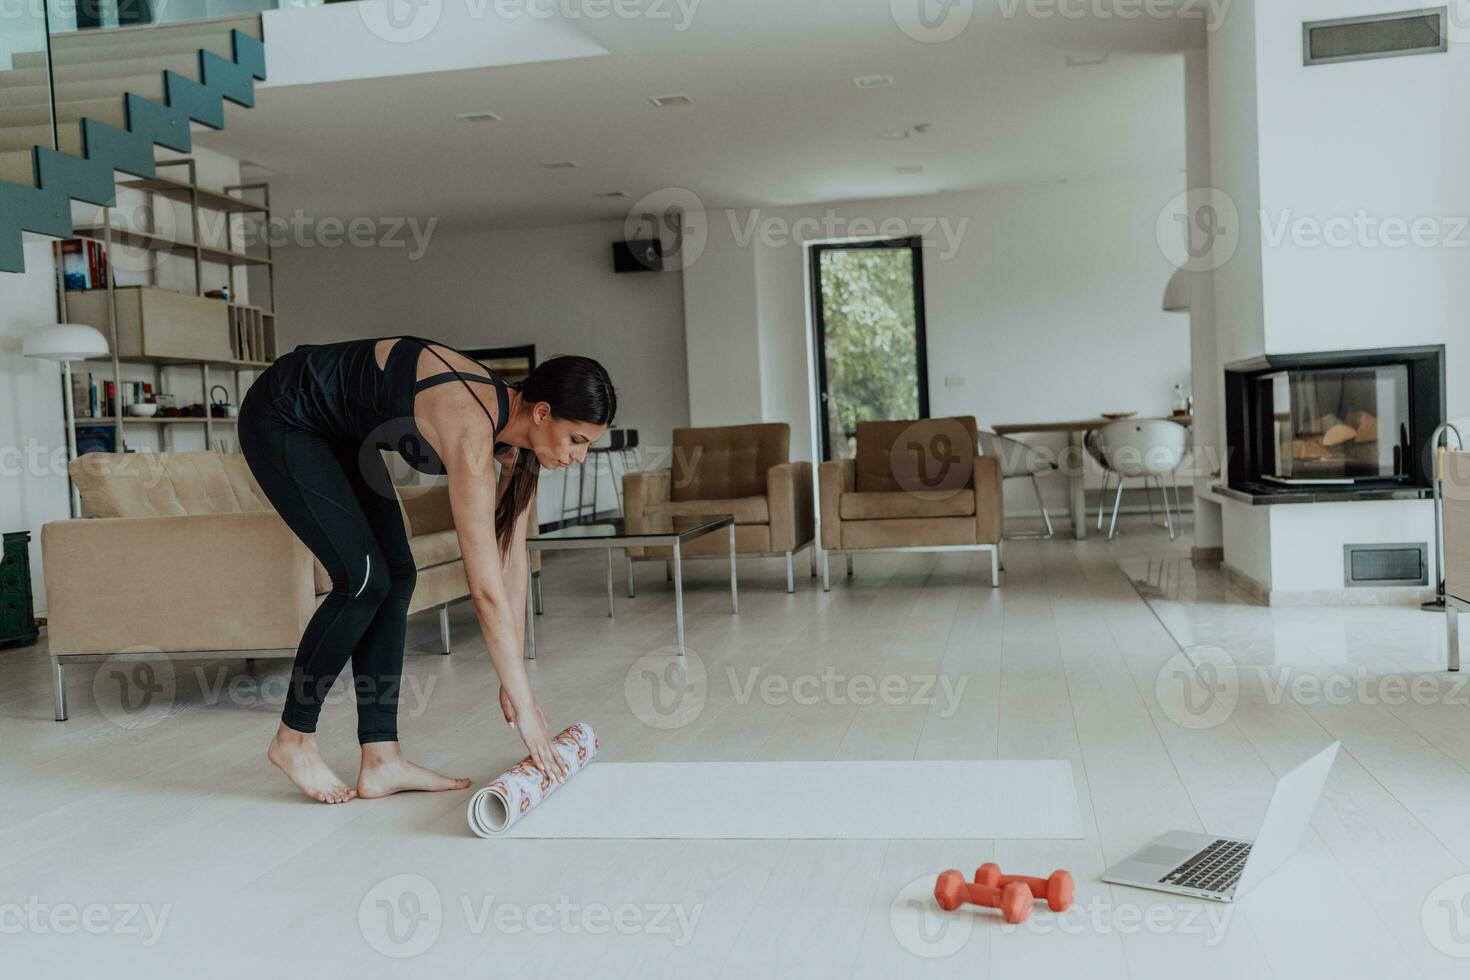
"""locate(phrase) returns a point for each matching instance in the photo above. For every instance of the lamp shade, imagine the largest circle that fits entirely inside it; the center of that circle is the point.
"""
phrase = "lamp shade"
(65, 342)
(1176, 294)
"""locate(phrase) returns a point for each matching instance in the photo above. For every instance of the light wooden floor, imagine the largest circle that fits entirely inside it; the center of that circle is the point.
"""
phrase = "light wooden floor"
(180, 815)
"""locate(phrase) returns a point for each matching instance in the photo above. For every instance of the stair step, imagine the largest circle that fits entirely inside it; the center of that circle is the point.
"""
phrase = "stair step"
(63, 58)
(15, 166)
(184, 63)
(110, 111)
(148, 86)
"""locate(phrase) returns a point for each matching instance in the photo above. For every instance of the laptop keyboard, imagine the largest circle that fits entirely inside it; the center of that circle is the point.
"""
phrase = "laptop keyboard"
(1214, 869)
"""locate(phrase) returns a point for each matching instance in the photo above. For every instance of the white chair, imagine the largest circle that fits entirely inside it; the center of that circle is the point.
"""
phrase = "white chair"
(1018, 461)
(1146, 448)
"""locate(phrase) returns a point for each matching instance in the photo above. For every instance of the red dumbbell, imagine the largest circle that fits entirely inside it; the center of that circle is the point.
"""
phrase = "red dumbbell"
(1014, 900)
(1057, 890)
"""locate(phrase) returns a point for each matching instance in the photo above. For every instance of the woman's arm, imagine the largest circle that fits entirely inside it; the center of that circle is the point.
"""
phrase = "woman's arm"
(472, 495)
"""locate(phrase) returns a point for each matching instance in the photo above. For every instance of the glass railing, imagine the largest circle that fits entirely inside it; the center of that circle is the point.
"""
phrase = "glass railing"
(26, 98)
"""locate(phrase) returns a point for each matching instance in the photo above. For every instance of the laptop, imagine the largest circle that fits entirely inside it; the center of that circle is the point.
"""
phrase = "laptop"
(1224, 868)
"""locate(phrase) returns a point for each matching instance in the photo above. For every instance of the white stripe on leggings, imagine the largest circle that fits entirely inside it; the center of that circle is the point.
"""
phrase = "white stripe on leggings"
(365, 575)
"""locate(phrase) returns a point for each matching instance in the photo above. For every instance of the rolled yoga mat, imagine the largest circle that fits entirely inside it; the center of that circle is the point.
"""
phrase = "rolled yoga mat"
(521, 788)
(879, 800)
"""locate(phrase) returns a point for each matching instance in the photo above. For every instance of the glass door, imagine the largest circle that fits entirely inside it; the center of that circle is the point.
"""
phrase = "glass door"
(869, 317)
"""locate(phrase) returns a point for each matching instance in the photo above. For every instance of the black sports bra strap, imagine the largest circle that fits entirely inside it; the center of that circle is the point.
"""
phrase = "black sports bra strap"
(443, 376)
(501, 398)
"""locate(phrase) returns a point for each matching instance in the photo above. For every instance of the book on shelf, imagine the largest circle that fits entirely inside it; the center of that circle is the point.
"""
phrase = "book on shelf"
(96, 397)
(81, 263)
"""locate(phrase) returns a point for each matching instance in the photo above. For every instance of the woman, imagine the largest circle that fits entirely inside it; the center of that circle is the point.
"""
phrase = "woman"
(311, 428)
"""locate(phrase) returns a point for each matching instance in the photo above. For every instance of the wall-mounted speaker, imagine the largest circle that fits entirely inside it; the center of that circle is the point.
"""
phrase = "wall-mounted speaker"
(642, 255)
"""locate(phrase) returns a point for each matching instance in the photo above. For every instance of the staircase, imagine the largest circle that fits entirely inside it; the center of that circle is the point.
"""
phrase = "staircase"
(118, 94)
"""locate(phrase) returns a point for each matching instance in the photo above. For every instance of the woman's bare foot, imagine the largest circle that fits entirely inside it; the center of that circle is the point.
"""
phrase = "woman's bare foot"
(295, 754)
(385, 771)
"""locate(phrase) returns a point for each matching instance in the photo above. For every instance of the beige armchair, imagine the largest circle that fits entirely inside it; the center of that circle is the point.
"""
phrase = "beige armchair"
(180, 556)
(913, 486)
(744, 470)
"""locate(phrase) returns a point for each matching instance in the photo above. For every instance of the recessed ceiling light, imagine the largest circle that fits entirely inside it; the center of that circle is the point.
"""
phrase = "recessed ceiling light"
(895, 134)
(873, 81)
(670, 101)
(909, 168)
(611, 194)
(477, 117)
(560, 165)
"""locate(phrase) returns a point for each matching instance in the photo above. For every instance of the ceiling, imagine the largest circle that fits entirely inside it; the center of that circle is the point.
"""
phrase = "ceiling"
(776, 117)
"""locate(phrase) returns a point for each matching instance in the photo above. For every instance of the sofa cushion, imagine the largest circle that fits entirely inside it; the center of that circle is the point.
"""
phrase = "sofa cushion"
(726, 462)
(915, 454)
(747, 510)
(165, 484)
(923, 503)
(434, 549)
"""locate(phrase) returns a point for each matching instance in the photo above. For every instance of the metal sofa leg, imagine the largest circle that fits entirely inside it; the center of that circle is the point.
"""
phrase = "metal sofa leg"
(1452, 634)
(538, 599)
(58, 678)
(444, 647)
(668, 570)
(995, 568)
(790, 576)
(849, 565)
(812, 551)
(826, 572)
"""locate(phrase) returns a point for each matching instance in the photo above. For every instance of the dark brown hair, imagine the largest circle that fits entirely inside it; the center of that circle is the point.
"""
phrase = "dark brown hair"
(578, 389)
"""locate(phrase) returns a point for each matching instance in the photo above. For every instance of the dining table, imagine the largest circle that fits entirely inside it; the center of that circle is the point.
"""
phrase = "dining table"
(1073, 464)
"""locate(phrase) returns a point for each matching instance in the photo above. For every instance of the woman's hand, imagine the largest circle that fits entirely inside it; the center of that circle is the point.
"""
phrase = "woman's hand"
(537, 736)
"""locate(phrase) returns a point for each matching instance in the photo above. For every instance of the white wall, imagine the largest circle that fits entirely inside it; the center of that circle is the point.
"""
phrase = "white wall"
(1045, 300)
(552, 287)
(33, 484)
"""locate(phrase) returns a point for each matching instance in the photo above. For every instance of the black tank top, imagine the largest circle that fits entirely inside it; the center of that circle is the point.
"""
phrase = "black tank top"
(339, 391)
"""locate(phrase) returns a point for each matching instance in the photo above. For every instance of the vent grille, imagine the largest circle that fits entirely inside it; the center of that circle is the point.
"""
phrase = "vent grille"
(1385, 564)
(1327, 42)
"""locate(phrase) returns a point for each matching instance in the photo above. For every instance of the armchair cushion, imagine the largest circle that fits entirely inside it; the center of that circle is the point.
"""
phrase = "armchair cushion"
(915, 454)
(727, 462)
(165, 484)
(923, 503)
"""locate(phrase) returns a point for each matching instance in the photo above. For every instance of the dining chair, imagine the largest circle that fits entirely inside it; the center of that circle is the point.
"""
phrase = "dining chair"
(1146, 448)
(1020, 461)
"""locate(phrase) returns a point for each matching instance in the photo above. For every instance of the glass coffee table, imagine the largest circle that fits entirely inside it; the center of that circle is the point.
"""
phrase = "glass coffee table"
(613, 536)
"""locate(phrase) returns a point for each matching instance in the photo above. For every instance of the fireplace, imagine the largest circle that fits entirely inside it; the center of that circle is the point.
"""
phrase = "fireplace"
(1337, 425)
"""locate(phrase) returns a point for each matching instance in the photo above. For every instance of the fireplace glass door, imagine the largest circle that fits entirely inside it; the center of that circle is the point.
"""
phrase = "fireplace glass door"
(1338, 425)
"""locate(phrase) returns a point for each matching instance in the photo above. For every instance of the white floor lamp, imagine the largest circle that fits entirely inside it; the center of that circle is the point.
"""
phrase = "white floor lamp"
(67, 342)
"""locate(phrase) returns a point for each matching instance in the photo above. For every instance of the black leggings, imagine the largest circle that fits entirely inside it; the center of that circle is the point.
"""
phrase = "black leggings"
(325, 491)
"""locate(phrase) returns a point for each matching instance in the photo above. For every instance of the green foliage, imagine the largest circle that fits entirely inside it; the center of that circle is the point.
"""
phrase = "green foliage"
(871, 334)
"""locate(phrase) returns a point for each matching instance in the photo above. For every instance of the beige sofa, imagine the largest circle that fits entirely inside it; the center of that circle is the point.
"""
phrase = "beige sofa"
(181, 554)
(918, 485)
(1456, 489)
(743, 470)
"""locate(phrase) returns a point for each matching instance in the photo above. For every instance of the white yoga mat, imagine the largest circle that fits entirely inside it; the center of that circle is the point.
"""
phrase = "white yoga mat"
(914, 800)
